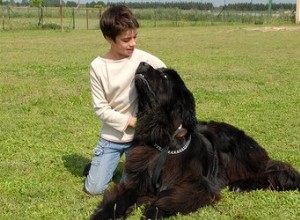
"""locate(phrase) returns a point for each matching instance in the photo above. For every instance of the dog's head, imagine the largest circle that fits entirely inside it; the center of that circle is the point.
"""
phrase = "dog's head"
(165, 103)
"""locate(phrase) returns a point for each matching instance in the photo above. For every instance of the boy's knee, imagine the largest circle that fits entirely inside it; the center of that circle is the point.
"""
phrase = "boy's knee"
(93, 189)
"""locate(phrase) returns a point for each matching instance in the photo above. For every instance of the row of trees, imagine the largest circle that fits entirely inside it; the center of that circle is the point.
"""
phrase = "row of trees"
(206, 6)
(46, 3)
(260, 7)
(180, 5)
(141, 5)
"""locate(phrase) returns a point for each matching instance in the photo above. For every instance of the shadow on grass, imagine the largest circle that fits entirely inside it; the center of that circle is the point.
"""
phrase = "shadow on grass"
(75, 163)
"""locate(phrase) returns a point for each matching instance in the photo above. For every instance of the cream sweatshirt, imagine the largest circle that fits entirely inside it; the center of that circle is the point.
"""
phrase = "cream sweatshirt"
(114, 94)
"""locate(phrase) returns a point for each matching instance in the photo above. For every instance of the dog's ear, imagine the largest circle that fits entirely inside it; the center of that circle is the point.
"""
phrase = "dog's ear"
(185, 105)
(188, 110)
(154, 127)
(183, 100)
(160, 136)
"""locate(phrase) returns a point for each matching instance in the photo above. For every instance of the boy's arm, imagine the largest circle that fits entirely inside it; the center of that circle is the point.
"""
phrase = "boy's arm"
(102, 108)
(155, 62)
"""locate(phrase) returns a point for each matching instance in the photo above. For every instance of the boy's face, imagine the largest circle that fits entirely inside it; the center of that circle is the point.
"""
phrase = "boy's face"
(124, 44)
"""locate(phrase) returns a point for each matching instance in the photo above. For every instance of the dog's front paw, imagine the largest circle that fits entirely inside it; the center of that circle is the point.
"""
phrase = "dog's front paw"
(101, 214)
(152, 212)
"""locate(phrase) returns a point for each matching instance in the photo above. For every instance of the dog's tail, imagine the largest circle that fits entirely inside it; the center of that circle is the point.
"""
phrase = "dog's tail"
(282, 176)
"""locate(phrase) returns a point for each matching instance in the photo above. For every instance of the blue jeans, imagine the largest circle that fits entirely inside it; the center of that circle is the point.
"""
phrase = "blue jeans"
(106, 158)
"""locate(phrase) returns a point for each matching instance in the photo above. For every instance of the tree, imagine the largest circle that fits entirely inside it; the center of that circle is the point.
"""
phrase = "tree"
(37, 3)
(71, 4)
(24, 2)
(94, 4)
(52, 3)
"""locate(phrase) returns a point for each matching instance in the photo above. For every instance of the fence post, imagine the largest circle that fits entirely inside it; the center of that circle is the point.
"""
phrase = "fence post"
(8, 10)
(2, 17)
(61, 16)
(100, 13)
(270, 10)
(87, 19)
(41, 18)
(73, 15)
(298, 12)
(155, 18)
(176, 18)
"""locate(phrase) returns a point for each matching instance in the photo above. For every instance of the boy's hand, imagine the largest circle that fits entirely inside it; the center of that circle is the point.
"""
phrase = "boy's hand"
(132, 122)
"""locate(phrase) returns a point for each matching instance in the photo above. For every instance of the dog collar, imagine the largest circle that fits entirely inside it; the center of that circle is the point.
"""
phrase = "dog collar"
(184, 147)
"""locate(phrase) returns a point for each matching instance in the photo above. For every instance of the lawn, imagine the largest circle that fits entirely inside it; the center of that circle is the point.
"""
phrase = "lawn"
(248, 76)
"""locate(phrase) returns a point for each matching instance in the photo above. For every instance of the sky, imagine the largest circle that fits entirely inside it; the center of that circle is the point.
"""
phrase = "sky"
(215, 2)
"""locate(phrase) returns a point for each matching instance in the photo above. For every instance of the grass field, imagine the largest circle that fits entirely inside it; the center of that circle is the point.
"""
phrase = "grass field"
(238, 74)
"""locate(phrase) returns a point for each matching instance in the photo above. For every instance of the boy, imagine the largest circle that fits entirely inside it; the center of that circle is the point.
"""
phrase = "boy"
(114, 94)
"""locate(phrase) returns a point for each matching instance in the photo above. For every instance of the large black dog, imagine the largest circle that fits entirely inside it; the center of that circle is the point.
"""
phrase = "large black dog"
(178, 164)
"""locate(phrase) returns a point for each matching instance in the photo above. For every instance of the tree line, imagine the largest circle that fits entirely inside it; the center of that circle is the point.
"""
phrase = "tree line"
(260, 7)
(144, 5)
(206, 6)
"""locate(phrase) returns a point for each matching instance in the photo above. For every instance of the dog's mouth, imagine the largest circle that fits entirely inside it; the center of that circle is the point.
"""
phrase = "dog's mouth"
(140, 76)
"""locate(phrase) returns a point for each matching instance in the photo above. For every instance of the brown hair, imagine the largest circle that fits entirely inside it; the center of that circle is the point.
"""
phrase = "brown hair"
(117, 19)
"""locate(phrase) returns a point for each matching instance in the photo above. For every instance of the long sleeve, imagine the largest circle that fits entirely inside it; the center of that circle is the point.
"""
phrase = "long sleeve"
(103, 109)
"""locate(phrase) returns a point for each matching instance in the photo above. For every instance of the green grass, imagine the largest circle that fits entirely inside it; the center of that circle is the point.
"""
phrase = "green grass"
(48, 128)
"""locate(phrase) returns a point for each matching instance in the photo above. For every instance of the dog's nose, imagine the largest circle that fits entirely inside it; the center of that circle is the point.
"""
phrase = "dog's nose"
(144, 64)
(143, 67)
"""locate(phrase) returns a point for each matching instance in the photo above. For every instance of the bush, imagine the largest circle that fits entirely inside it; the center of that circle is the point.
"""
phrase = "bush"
(52, 26)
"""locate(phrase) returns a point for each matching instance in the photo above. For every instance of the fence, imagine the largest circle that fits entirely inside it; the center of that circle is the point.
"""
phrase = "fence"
(88, 18)
(49, 17)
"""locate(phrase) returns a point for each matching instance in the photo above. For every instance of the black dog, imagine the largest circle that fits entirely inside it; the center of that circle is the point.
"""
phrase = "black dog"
(178, 164)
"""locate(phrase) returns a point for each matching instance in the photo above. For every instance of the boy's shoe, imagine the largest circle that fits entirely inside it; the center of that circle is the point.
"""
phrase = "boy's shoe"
(86, 169)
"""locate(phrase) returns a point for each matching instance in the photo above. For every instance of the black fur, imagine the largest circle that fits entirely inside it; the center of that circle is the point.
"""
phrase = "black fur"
(218, 155)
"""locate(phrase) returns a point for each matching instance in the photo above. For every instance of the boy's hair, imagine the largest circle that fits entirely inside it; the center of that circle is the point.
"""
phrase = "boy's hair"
(117, 19)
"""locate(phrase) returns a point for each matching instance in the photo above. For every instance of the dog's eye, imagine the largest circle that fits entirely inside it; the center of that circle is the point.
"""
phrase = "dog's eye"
(162, 74)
